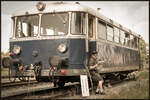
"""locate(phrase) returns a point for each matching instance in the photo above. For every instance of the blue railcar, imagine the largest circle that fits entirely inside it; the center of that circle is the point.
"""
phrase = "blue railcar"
(54, 42)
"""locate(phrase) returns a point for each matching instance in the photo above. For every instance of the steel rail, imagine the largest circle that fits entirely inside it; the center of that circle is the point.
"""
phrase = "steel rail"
(32, 89)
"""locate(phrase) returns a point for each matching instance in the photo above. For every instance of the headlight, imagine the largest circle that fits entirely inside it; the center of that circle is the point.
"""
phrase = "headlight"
(16, 49)
(62, 48)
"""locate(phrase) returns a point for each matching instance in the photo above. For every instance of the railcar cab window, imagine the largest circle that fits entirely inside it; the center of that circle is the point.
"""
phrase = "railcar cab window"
(109, 32)
(78, 23)
(101, 29)
(54, 24)
(27, 26)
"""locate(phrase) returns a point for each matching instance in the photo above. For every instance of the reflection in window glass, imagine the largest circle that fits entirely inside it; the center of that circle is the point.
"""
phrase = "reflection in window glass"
(36, 30)
(122, 37)
(78, 23)
(101, 30)
(131, 41)
(49, 32)
(135, 42)
(116, 34)
(127, 39)
(109, 33)
(27, 26)
(54, 24)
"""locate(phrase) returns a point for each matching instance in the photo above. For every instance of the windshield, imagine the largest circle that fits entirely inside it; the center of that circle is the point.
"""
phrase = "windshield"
(54, 24)
(27, 26)
(51, 24)
(78, 23)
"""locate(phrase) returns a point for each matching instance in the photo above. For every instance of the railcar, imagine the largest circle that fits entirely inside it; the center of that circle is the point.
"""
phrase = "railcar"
(54, 43)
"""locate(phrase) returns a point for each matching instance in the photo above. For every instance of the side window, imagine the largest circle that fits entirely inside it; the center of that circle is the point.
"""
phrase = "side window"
(27, 26)
(109, 33)
(90, 25)
(78, 23)
(122, 37)
(135, 42)
(116, 34)
(131, 41)
(127, 39)
(101, 30)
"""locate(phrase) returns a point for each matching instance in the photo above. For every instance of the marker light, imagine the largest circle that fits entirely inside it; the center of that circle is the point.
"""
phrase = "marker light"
(11, 54)
(63, 71)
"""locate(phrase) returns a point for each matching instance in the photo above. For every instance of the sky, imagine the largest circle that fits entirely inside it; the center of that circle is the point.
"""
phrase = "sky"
(131, 14)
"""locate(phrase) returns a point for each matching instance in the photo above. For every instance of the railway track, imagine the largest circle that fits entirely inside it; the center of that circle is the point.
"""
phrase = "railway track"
(47, 90)
(42, 90)
(19, 83)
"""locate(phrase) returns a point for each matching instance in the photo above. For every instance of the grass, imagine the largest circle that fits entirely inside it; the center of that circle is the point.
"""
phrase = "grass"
(138, 90)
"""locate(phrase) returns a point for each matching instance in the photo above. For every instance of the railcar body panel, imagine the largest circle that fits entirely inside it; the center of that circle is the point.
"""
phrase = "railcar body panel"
(79, 33)
(48, 48)
(117, 58)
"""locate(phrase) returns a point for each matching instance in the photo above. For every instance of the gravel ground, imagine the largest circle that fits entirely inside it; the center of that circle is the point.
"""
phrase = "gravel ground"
(116, 89)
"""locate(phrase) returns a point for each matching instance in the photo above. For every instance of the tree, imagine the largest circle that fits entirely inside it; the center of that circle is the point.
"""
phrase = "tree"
(143, 51)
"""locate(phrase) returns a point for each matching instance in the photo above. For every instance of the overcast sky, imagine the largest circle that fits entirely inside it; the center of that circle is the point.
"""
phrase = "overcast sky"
(131, 14)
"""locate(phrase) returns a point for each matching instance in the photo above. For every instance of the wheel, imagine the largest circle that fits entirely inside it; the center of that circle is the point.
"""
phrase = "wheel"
(61, 84)
(20, 76)
(122, 77)
(38, 79)
(55, 84)
(7, 62)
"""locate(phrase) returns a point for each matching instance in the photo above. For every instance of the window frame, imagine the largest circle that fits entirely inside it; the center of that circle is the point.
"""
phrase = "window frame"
(112, 37)
(92, 35)
(54, 32)
(100, 21)
(122, 38)
(116, 35)
(15, 26)
(84, 27)
(127, 43)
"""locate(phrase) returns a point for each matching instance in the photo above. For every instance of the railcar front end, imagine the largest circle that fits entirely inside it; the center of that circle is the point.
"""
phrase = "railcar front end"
(50, 46)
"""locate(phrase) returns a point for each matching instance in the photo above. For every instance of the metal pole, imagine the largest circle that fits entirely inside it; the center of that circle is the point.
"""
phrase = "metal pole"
(14, 29)
(39, 29)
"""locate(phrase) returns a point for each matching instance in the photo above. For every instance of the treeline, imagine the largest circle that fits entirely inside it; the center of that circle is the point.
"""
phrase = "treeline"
(144, 52)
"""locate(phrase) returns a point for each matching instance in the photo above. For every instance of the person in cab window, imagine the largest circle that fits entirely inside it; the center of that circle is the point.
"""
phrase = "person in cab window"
(94, 73)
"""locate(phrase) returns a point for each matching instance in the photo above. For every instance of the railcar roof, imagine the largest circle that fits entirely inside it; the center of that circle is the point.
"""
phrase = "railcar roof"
(66, 7)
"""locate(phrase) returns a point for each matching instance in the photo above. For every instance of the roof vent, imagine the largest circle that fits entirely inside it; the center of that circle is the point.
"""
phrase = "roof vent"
(98, 9)
(77, 3)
